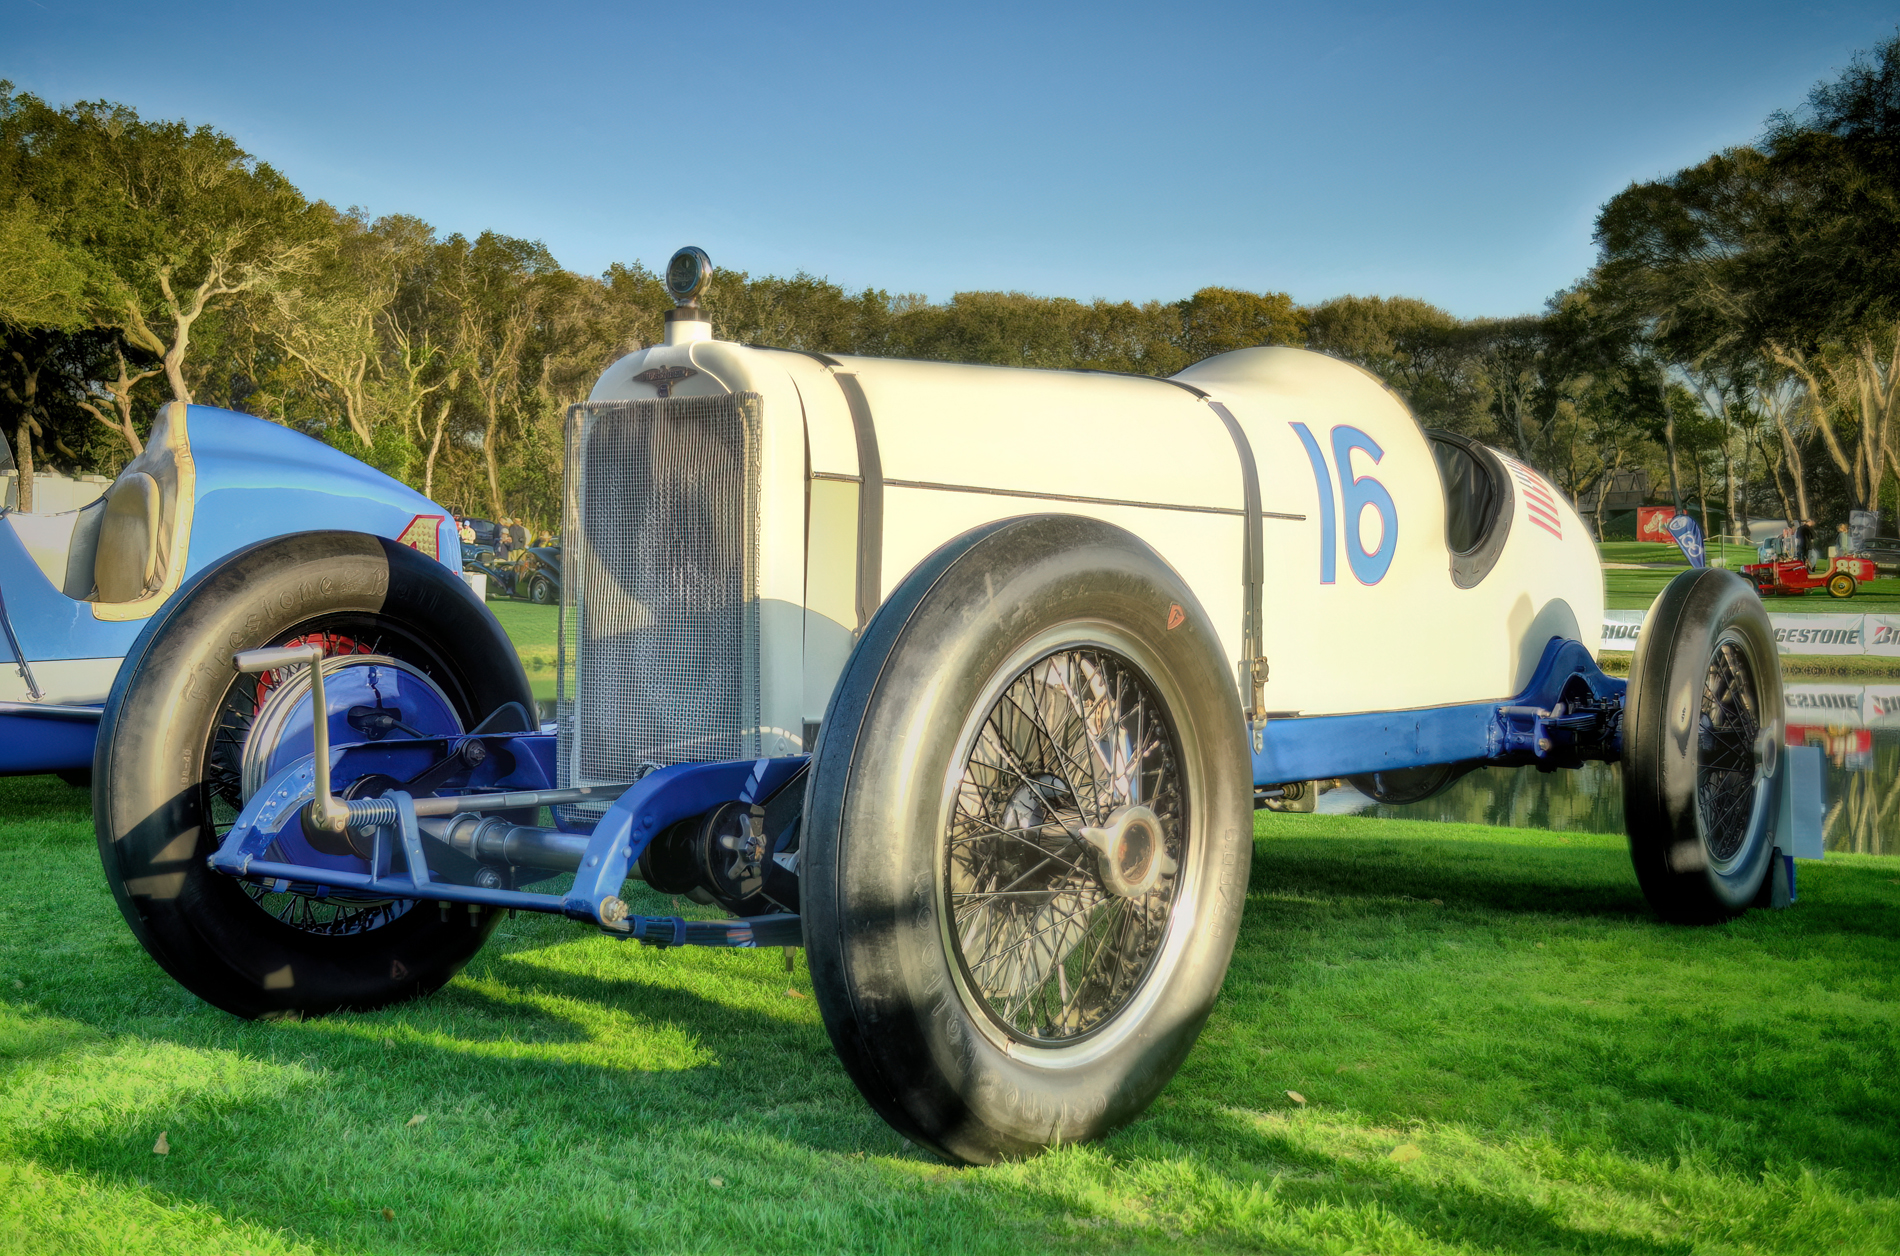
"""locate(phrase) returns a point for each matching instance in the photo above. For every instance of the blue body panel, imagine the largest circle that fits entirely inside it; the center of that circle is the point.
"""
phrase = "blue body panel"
(254, 480)
(1517, 730)
(39, 744)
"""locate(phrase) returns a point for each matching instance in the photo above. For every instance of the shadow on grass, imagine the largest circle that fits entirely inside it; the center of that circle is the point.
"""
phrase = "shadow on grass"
(1582, 880)
(1539, 992)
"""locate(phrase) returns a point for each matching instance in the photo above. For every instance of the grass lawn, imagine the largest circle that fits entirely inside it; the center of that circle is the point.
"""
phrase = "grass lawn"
(1649, 552)
(533, 629)
(1626, 590)
(1498, 1049)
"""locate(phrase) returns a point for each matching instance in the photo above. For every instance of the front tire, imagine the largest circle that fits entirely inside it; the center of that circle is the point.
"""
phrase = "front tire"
(541, 591)
(1027, 839)
(167, 781)
(1702, 736)
(1841, 585)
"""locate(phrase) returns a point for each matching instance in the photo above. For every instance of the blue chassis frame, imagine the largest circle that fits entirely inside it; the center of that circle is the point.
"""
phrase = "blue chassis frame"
(1527, 729)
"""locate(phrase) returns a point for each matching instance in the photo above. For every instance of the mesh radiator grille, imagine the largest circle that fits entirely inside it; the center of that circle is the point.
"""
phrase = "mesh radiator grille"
(660, 606)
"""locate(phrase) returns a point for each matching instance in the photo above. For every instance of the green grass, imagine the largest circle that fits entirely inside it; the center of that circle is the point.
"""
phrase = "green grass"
(1626, 590)
(532, 628)
(1649, 552)
(1575, 1076)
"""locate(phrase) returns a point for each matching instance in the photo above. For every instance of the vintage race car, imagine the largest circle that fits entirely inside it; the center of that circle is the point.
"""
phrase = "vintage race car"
(1842, 577)
(76, 588)
(966, 679)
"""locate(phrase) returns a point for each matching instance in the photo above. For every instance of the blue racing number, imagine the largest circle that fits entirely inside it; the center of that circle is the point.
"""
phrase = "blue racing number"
(1357, 493)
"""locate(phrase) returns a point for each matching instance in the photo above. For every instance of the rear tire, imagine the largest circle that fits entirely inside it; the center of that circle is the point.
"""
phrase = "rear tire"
(1841, 585)
(166, 783)
(1016, 924)
(1702, 735)
(541, 591)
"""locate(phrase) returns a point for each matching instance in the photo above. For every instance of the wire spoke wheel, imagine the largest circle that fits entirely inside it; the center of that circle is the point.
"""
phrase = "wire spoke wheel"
(1065, 844)
(1729, 727)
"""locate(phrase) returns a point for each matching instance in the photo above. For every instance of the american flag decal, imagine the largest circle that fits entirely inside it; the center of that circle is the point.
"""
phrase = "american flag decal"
(1540, 502)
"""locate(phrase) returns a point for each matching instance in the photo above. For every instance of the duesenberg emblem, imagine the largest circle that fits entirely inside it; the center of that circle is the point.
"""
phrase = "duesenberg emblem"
(664, 377)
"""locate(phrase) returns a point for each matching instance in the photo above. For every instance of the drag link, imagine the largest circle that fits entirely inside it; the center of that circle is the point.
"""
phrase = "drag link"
(519, 799)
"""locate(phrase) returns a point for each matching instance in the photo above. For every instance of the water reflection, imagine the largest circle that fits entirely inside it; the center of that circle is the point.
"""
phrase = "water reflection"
(1856, 723)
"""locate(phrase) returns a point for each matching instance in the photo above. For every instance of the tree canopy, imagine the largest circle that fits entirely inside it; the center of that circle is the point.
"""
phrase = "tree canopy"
(1740, 334)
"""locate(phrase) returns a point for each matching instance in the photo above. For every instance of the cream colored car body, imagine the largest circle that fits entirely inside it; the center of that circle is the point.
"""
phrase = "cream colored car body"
(956, 446)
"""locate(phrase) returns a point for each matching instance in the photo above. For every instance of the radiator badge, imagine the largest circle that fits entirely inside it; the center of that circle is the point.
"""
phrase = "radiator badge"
(664, 377)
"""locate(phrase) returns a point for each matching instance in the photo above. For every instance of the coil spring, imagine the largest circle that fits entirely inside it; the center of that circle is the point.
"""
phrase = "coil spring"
(371, 813)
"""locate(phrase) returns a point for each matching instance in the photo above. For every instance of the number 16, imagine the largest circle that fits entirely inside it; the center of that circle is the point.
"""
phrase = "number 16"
(1358, 493)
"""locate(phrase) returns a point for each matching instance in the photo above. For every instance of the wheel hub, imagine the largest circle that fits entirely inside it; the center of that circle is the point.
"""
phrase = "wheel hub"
(370, 696)
(1128, 851)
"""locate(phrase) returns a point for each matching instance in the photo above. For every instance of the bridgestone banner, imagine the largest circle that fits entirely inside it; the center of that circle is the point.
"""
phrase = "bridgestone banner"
(1620, 629)
(1820, 634)
(1843, 706)
(1794, 633)
(1883, 634)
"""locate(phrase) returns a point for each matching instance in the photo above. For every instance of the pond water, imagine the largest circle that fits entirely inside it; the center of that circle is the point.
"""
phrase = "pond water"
(1856, 722)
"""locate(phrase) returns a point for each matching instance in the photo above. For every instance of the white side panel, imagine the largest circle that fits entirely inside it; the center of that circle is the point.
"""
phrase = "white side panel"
(781, 535)
(1205, 549)
(68, 682)
(1387, 635)
(1055, 432)
(828, 432)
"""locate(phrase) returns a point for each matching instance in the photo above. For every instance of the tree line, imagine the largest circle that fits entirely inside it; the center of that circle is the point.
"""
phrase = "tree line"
(1738, 339)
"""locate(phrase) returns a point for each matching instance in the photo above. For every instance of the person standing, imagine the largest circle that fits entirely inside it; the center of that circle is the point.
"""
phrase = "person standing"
(1804, 541)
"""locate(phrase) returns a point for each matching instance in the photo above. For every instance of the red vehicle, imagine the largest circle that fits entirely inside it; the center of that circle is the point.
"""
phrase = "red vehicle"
(1791, 577)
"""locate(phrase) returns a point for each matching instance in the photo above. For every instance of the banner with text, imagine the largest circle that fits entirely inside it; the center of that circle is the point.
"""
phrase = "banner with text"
(1794, 633)
(1883, 634)
(1843, 706)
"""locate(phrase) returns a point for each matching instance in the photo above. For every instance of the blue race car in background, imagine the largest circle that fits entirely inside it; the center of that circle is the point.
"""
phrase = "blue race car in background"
(76, 588)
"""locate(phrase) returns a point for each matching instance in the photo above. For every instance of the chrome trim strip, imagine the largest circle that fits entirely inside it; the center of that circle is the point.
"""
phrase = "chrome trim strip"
(1063, 497)
(52, 711)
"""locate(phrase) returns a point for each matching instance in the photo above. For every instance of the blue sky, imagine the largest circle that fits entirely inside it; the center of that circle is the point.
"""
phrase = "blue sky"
(1455, 153)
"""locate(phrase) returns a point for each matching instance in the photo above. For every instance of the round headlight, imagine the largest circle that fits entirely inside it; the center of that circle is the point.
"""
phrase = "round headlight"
(687, 273)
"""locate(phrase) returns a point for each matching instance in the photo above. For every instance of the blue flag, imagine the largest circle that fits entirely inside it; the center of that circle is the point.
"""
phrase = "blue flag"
(1688, 537)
